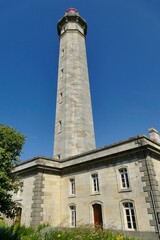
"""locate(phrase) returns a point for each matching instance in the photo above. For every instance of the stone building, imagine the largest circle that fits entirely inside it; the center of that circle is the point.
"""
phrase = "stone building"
(116, 186)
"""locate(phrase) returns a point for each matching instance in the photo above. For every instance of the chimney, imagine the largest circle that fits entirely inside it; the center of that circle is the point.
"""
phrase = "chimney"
(154, 135)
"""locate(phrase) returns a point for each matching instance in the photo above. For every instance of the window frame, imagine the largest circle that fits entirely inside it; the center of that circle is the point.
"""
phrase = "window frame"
(73, 217)
(125, 184)
(123, 178)
(95, 183)
(129, 213)
(72, 187)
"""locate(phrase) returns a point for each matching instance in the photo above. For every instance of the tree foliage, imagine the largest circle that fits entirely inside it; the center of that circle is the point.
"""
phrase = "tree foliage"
(11, 143)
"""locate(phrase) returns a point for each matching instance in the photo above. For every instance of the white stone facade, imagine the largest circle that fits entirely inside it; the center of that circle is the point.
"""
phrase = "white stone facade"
(49, 196)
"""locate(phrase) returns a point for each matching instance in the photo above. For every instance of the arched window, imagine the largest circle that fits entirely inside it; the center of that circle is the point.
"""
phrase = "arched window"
(72, 186)
(73, 216)
(129, 213)
(95, 182)
(124, 178)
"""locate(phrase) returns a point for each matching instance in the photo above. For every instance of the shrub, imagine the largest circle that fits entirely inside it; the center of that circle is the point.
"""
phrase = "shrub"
(43, 232)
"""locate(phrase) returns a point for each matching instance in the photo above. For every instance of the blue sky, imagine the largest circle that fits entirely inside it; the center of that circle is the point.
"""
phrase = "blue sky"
(123, 48)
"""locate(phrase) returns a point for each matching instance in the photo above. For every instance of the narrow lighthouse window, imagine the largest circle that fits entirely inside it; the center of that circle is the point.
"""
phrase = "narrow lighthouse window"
(62, 53)
(60, 97)
(59, 126)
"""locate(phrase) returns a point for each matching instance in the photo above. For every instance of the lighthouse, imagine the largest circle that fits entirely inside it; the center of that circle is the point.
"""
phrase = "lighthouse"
(74, 129)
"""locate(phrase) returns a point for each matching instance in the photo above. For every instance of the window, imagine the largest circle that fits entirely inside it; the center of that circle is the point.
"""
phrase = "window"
(95, 182)
(59, 126)
(60, 97)
(63, 29)
(62, 72)
(72, 186)
(62, 53)
(129, 215)
(73, 216)
(124, 178)
(20, 191)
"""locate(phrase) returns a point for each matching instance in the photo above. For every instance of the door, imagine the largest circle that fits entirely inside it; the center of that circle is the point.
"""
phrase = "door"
(97, 212)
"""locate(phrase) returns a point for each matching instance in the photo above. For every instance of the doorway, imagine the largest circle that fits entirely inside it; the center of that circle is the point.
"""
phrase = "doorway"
(97, 212)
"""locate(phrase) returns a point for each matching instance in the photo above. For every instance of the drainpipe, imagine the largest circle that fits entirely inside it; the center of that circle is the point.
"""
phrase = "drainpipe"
(152, 197)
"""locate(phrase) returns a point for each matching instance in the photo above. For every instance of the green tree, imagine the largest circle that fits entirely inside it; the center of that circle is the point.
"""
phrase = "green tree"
(11, 143)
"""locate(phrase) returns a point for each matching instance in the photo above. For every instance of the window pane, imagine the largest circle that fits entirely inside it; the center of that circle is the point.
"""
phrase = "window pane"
(127, 212)
(130, 205)
(129, 225)
(72, 186)
(124, 178)
(133, 218)
(134, 225)
(128, 219)
(95, 182)
(130, 215)
(125, 205)
(73, 215)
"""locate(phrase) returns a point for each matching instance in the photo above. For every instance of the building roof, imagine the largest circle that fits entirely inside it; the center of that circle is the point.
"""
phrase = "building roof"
(113, 152)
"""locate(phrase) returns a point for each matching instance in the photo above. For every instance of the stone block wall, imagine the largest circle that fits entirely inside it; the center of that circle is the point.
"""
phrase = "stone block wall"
(110, 195)
(51, 200)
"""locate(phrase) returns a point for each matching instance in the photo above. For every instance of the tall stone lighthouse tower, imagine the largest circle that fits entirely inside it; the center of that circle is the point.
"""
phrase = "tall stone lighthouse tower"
(74, 131)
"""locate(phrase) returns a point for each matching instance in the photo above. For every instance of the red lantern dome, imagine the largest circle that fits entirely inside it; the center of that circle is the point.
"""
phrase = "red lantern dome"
(72, 11)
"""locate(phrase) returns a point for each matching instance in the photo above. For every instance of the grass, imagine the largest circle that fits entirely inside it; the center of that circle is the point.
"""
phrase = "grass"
(17, 232)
